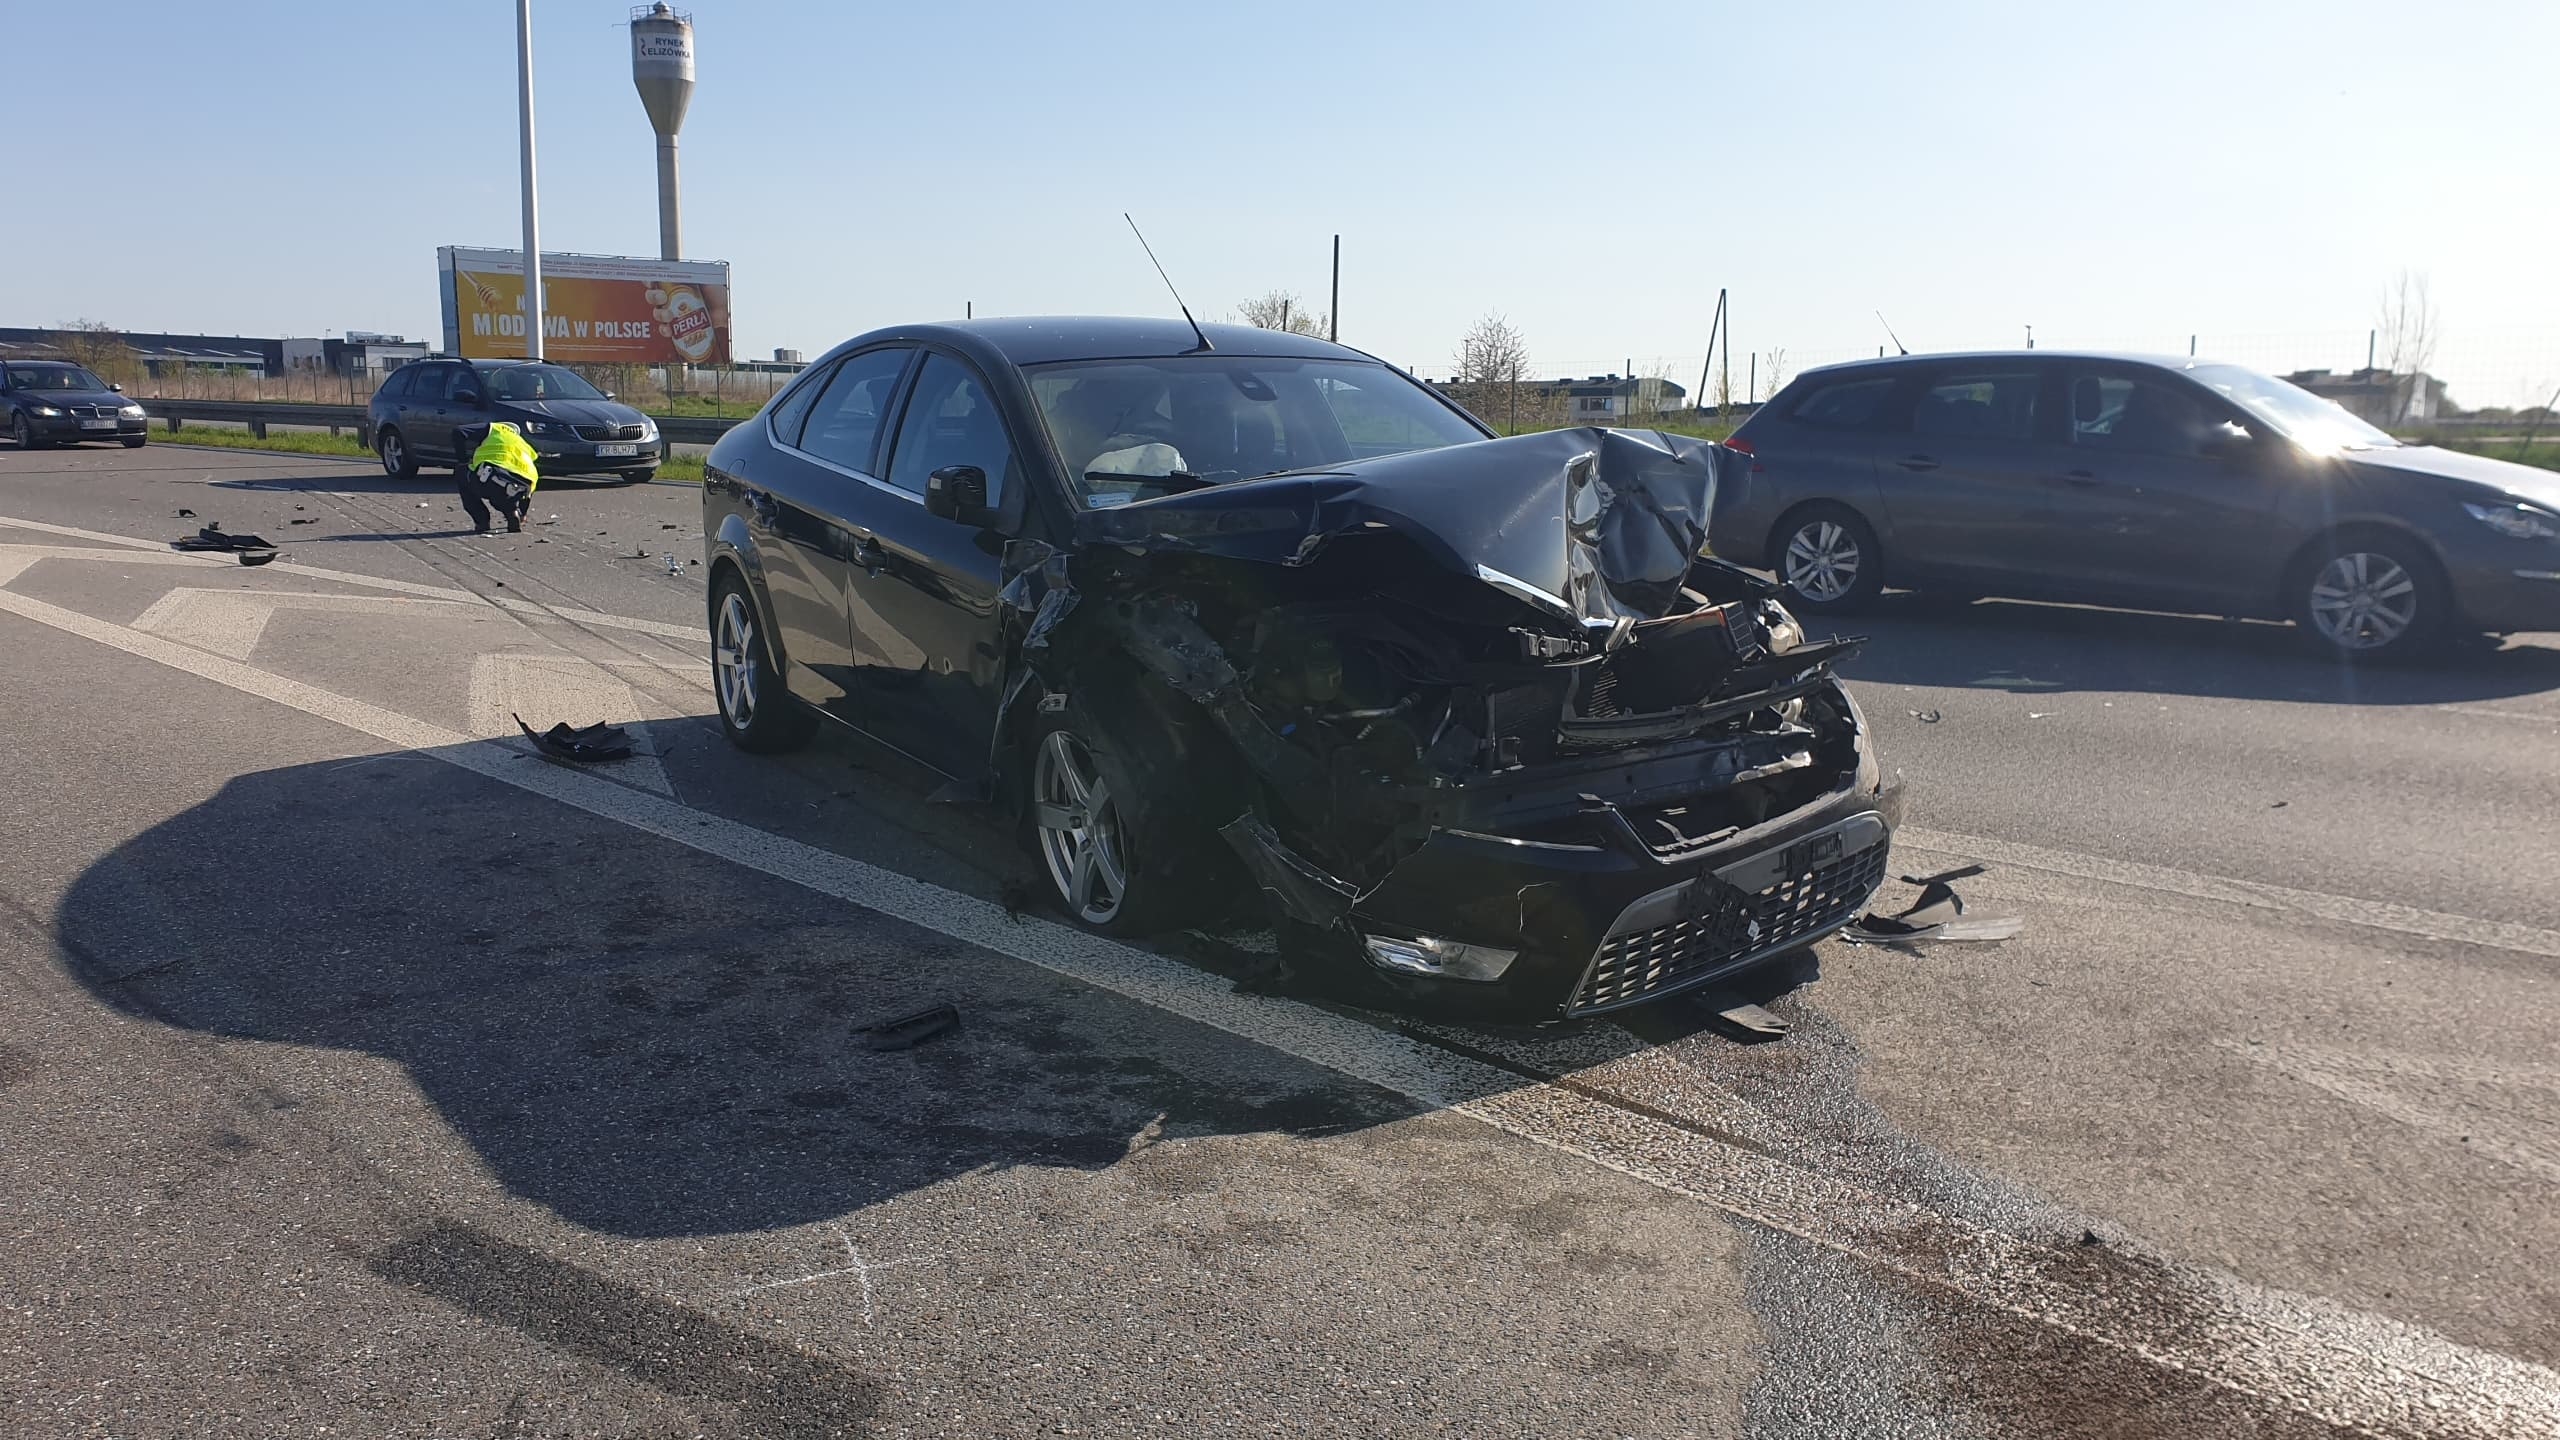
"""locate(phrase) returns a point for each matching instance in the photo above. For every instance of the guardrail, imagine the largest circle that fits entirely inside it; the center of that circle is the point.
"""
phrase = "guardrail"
(259, 414)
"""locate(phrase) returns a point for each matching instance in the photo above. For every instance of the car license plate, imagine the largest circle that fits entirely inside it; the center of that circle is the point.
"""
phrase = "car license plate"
(97, 424)
(610, 451)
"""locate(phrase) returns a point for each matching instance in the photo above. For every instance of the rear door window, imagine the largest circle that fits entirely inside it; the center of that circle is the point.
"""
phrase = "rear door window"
(844, 425)
(1979, 405)
(1844, 405)
(432, 383)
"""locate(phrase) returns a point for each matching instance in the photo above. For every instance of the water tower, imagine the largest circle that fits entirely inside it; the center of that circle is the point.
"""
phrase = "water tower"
(662, 68)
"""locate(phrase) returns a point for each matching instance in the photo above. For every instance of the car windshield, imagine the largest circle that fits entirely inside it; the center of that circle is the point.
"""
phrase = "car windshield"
(1134, 429)
(53, 377)
(2304, 418)
(538, 382)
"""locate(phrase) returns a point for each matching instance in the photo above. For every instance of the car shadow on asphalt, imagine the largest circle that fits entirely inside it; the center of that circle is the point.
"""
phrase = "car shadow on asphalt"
(2028, 648)
(644, 1039)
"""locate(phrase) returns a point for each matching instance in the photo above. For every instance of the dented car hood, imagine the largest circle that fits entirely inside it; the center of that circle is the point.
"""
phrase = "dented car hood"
(1591, 526)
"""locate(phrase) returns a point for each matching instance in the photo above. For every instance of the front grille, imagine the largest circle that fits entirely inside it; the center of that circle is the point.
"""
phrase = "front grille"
(92, 412)
(608, 432)
(1735, 925)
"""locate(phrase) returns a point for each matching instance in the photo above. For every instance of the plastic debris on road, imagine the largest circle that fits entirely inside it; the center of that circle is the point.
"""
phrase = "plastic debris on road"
(252, 549)
(596, 742)
(909, 1030)
(1938, 914)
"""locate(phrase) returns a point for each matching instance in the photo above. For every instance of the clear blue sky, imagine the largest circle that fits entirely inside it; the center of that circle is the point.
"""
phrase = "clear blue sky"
(2116, 173)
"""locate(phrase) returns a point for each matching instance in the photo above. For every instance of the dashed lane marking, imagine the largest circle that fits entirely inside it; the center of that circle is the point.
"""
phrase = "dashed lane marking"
(129, 550)
(2346, 1367)
(231, 622)
(2373, 914)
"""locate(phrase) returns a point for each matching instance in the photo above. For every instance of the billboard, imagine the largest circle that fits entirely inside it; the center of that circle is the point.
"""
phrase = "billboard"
(599, 309)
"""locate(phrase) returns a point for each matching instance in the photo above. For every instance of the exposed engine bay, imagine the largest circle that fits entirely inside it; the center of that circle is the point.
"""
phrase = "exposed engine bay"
(1514, 639)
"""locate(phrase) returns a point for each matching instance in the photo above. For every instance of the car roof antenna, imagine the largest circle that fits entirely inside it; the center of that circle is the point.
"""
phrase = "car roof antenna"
(1898, 346)
(1168, 282)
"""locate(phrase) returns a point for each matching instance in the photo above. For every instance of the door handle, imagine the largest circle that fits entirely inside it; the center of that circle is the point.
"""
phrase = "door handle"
(865, 553)
(2081, 478)
(1918, 462)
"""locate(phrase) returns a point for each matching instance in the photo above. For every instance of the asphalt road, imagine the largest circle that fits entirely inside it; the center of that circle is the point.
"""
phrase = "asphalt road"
(370, 1076)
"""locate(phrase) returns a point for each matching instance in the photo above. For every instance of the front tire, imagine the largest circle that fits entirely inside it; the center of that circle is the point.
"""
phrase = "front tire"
(2366, 596)
(24, 434)
(136, 442)
(757, 712)
(639, 477)
(1827, 558)
(1125, 855)
(397, 462)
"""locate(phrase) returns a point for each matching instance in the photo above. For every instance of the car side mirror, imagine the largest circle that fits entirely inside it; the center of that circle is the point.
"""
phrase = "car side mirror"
(466, 397)
(958, 493)
(119, 389)
(2226, 440)
(609, 395)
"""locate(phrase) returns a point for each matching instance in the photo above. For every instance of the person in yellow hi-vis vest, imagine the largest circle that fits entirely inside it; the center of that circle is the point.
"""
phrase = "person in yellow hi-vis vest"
(502, 472)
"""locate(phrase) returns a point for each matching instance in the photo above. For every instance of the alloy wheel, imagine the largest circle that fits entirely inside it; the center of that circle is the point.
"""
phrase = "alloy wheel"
(390, 449)
(733, 661)
(1822, 561)
(2363, 601)
(1081, 837)
(24, 434)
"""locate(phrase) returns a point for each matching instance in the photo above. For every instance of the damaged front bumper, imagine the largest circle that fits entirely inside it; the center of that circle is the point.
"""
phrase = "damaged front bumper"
(1599, 923)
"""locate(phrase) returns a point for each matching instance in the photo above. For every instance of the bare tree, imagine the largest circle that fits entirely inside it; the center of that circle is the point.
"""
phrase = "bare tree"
(1775, 362)
(100, 348)
(2406, 320)
(1282, 310)
(1491, 362)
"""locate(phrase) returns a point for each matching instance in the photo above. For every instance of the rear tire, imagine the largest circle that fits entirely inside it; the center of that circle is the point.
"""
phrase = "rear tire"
(2366, 596)
(397, 462)
(758, 712)
(1827, 557)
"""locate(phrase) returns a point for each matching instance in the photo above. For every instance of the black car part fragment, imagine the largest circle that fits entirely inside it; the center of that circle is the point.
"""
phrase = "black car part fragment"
(596, 742)
(1511, 642)
(1937, 915)
(251, 549)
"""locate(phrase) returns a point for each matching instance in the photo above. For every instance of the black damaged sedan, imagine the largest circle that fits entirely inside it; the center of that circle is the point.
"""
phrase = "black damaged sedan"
(1233, 618)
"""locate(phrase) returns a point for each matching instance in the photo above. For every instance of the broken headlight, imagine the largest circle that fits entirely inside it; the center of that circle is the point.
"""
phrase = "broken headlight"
(1440, 959)
(2516, 522)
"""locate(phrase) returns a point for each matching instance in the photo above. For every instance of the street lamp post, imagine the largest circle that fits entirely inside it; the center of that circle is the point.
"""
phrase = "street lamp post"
(532, 227)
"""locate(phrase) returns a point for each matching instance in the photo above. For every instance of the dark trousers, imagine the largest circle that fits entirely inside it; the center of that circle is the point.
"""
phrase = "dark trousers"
(486, 485)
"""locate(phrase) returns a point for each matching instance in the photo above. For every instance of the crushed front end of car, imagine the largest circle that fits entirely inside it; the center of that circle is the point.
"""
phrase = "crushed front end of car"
(1482, 723)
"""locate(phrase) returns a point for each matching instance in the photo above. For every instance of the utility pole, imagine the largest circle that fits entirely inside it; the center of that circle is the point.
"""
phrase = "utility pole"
(532, 227)
(1708, 368)
(1333, 311)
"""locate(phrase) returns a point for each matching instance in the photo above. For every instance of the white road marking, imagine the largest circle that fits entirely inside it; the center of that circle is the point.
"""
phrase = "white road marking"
(552, 689)
(151, 552)
(2383, 1084)
(2347, 909)
(230, 622)
(2342, 1366)
(860, 1267)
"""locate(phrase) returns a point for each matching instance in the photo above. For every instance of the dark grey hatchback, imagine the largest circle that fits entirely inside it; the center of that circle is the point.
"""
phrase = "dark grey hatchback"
(1231, 616)
(420, 414)
(2117, 479)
